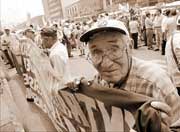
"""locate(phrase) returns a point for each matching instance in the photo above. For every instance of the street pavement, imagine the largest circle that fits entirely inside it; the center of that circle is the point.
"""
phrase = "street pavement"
(32, 118)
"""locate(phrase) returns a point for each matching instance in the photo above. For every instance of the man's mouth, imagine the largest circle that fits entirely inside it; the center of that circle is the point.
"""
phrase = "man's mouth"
(108, 71)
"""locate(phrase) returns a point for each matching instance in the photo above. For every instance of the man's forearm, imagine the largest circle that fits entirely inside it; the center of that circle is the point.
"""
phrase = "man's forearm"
(115, 97)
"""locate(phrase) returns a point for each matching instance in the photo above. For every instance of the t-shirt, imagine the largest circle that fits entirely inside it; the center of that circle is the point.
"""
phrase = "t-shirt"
(133, 25)
(59, 57)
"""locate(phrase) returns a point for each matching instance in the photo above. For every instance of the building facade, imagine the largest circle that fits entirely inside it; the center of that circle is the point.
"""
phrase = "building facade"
(84, 8)
(73, 10)
(92, 7)
(114, 4)
(53, 9)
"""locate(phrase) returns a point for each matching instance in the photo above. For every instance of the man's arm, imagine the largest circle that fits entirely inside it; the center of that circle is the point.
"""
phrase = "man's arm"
(58, 65)
(113, 97)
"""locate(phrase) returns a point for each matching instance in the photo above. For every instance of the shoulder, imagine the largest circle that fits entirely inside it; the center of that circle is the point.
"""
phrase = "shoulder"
(59, 50)
(154, 73)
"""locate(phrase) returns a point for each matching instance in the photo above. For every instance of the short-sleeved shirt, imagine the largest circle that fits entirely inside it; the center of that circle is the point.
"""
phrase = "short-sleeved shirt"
(163, 23)
(133, 25)
(8, 41)
(157, 21)
(148, 23)
(59, 57)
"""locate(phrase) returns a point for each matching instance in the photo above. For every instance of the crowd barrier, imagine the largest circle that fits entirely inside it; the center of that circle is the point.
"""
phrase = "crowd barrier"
(68, 111)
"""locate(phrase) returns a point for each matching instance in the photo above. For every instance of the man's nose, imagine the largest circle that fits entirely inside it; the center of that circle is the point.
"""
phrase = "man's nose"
(105, 63)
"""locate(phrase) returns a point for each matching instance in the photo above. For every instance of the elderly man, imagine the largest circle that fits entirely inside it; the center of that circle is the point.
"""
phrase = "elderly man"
(110, 50)
(173, 56)
(57, 52)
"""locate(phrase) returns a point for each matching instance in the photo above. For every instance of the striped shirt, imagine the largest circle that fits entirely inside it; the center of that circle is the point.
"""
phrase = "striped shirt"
(149, 79)
(171, 64)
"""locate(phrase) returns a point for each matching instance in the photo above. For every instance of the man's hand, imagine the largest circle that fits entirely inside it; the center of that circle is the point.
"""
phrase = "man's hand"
(165, 111)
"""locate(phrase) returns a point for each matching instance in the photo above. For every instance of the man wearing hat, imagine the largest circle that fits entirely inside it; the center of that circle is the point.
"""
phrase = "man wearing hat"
(30, 34)
(173, 56)
(57, 52)
(110, 50)
(8, 41)
(28, 40)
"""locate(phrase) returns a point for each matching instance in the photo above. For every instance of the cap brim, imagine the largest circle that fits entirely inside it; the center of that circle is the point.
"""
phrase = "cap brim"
(86, 36)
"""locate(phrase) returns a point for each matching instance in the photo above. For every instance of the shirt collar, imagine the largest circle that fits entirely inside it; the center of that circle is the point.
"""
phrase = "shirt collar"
(54, 46)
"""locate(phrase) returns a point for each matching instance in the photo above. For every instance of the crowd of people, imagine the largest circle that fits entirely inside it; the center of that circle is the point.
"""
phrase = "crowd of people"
(110, 42)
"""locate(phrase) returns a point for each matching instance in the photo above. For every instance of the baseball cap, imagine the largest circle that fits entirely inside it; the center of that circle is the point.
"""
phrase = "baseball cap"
(104, 25)
(178, 21)
(48, 31)
(7, 28)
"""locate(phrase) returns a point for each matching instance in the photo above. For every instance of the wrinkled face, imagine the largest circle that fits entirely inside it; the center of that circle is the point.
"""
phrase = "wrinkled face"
(47, 41)
(109, 55)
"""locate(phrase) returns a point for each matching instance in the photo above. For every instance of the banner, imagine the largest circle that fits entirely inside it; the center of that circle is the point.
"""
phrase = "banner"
(68, 111)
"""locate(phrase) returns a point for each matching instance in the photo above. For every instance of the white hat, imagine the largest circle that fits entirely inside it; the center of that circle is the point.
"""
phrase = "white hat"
(7, 27)
(178, 21)
(105, 25)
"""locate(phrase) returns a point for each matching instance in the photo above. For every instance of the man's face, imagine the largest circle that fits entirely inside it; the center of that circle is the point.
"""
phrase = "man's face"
(47, 41)
(109, 55)
(30, 35)
(158, 13)
(7, 31)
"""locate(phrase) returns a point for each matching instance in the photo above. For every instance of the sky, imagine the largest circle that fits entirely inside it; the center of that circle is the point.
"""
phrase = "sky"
(15, 11)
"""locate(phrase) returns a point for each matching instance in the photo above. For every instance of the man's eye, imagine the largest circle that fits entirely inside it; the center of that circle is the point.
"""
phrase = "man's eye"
(115, 49)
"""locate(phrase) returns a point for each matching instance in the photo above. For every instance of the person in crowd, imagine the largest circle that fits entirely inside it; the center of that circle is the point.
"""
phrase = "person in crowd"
(110, 49)
(94, 20)
(170, 25)
(157, 28)
(29, 33)
(66, 36)
(149, 30)
(143, 29)
(134, 29)
(3, 56)
(173, 56)
(79, 43)
(57, 52)
(8, 42)
(106, 16)
(163, 29)
(59, 31)
(28, 40)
